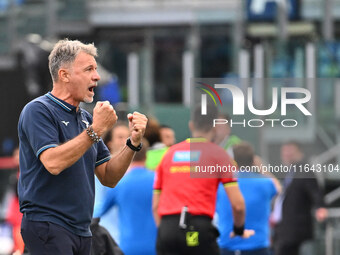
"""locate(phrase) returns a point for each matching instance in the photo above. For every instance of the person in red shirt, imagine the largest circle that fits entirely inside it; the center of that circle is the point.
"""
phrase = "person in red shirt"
(185, 190)
(14, 216)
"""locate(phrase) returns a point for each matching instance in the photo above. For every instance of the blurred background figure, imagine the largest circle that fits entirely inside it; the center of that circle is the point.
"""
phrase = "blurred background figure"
(14, 215)
(157, 148)
(293, 210)
(32, 54)
(115, 140)
(223, 136)
(133, 197)
(258, 190)
(167, 135)
(10, 237)
(184, 206)
(108, 89)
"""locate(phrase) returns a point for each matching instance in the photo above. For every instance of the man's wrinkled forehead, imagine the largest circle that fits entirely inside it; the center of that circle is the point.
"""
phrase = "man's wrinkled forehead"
(84, 60)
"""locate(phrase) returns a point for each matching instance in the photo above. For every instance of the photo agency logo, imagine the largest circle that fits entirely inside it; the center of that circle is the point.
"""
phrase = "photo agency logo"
(289, 96)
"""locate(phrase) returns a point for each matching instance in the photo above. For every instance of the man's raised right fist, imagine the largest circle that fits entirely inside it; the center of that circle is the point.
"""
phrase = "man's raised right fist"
(104, 117)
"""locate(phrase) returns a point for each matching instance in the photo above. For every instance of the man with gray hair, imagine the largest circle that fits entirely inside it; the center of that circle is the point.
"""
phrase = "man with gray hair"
(60, 151)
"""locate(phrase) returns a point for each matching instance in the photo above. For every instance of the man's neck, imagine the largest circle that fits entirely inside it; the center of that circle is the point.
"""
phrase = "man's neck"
(199, 134)
(64, 95)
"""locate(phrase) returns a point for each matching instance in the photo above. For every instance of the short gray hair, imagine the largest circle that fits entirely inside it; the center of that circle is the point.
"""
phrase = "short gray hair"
(64, 53)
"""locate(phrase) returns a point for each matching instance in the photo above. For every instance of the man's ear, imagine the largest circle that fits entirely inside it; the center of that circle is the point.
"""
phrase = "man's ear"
(63, 75)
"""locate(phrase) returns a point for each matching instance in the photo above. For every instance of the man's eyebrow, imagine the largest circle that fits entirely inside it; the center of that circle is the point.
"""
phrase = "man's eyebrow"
(90, 66)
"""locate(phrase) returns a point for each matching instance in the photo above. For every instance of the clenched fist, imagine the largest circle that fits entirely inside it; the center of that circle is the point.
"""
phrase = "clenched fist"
(104, 117)
(137, 125)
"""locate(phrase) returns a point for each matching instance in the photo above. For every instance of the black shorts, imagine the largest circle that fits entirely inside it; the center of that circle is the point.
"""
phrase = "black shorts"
(46, 238)
(199, 238)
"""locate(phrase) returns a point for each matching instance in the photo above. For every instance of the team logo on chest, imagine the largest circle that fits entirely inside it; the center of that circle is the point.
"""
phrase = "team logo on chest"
(86, 123)
(65, 122)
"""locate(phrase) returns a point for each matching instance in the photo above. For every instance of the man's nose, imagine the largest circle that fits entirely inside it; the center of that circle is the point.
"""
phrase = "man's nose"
(96, 76)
